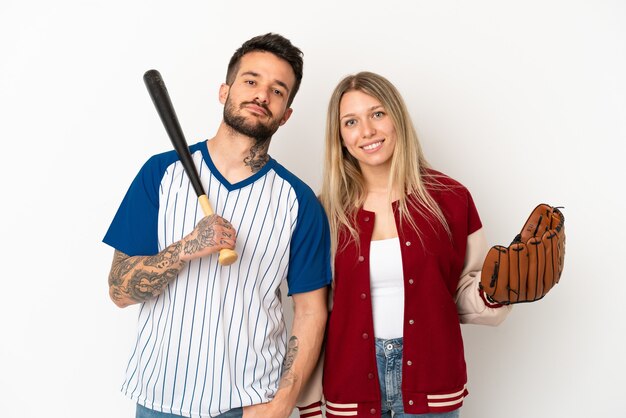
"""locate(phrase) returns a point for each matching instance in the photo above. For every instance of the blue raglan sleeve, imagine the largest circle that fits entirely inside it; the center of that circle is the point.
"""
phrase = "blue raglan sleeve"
(309, 261)
(134, 228)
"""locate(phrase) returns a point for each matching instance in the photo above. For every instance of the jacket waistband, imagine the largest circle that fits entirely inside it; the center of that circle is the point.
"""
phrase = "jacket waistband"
(418, 404)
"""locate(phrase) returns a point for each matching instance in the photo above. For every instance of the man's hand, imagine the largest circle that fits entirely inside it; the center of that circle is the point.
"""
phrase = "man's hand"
(212, 234)
(273, 409)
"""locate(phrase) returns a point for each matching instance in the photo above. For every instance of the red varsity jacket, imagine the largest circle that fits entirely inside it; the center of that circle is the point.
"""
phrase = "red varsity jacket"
(433, 370)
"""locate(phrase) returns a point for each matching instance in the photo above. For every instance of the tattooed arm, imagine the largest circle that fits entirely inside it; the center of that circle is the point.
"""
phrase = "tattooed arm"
(303, 350)
(139, 278)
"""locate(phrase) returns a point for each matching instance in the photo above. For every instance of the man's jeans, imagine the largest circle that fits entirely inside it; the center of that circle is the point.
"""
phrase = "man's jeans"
(143, 412)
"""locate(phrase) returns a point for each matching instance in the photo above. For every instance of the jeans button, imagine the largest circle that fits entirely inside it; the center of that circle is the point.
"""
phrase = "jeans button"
(389, 346)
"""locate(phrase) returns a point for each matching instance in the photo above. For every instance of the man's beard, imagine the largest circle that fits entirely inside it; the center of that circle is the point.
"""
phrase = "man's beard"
(238, 123)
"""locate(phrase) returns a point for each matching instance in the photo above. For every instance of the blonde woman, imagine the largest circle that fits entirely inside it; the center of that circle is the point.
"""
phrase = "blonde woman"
(408, 248)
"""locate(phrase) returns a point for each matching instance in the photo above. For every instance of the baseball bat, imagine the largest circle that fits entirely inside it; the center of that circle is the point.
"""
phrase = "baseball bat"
(162, 102)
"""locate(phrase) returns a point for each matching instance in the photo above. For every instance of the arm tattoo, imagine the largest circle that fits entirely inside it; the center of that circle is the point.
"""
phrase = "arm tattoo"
(166, 258)
(258, 156)
(143, 283)
(205, 238)
(289, 377)
(122, 264)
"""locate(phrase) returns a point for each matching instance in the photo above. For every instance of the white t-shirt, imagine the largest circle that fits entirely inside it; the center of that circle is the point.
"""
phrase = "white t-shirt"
(387, 287)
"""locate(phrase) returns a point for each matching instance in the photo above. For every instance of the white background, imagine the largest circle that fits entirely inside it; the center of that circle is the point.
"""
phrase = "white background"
(523, 102)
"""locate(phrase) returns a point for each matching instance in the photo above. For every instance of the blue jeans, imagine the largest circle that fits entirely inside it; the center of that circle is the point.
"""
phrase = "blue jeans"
(143, 412)
(389, 362)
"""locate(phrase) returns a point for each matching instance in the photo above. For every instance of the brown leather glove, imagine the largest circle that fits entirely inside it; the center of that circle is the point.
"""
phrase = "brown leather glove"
(528, 268)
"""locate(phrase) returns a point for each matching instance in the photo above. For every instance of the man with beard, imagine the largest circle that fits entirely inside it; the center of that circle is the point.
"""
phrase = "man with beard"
(211, 339)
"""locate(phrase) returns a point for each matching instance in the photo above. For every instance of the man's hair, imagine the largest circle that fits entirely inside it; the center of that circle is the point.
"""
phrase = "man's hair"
(275, 44)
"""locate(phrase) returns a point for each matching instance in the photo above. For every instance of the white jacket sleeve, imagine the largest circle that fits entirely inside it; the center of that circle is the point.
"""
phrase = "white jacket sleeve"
(472, 306)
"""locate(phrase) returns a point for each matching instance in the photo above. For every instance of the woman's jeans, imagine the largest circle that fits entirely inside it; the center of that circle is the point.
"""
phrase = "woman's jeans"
(389, 362)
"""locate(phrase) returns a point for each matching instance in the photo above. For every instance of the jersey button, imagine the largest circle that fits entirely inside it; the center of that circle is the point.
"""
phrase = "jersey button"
(372, 411)
(409, 363)
(408, 243)
(363, 295)
(370, 376)
(361, 258)
(365, 336)
(411, 322)
(411, 402)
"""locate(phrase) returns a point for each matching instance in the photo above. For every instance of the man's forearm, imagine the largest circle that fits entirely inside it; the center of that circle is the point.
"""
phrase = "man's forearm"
(303, 348)
(139, 278)
(136, 279)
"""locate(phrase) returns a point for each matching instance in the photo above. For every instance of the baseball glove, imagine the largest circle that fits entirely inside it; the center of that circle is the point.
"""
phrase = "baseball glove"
(528, 268)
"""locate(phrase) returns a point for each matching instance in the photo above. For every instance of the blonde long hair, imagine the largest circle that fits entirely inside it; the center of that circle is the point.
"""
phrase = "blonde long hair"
(343, 188)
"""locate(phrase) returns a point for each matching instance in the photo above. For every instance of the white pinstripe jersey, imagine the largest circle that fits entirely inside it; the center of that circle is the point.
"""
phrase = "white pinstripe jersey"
(215, 338)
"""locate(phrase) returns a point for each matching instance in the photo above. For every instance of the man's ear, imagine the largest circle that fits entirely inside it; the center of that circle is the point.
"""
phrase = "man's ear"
(286, 116)
(224, 90)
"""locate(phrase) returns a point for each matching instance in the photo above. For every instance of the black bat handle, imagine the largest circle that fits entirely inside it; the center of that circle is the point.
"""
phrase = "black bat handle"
(163, 103)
